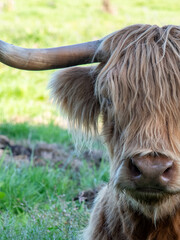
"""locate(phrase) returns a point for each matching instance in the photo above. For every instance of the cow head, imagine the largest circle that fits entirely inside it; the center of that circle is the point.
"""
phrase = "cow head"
(135, 92)
(138, 90)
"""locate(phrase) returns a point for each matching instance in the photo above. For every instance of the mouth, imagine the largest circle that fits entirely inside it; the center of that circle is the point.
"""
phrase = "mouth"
(148, 195)
(149, 190)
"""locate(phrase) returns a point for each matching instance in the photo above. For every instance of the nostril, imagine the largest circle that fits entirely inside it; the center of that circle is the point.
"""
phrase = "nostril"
(167, 170)
(167, 174)
(135, 172)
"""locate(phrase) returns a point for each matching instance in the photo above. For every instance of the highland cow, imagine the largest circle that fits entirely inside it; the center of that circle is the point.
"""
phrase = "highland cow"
(135, 92)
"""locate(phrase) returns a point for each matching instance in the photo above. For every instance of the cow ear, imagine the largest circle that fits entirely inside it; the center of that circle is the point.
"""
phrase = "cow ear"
(73, 89)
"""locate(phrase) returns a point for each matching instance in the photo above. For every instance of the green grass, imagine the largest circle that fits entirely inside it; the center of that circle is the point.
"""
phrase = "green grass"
(34, 186)
(49, 133)
(54, 223)
(61, 220)
(36, 202)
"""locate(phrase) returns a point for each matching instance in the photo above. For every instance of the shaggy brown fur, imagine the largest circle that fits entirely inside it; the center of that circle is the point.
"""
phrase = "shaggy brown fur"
(136, 90)
(114, 218)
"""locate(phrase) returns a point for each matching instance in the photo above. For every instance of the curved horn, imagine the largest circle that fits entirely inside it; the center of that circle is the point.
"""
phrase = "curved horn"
(48, 58)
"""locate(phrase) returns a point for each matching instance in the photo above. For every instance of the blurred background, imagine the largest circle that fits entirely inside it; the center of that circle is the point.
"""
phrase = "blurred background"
(45, 188)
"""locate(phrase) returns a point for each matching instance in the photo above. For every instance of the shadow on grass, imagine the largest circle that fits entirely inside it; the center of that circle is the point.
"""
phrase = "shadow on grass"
(50, 133)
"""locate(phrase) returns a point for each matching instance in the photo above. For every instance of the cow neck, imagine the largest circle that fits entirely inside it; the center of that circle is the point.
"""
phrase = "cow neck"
(136, 226)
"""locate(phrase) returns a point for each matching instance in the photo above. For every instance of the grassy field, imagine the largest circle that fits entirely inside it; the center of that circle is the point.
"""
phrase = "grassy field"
(36, 202)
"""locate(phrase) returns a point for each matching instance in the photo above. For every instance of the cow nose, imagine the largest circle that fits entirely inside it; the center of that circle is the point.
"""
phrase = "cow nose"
(155, 170)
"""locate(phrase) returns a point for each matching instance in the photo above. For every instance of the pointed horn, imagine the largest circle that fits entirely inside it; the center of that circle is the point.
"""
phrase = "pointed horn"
(48, 58)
